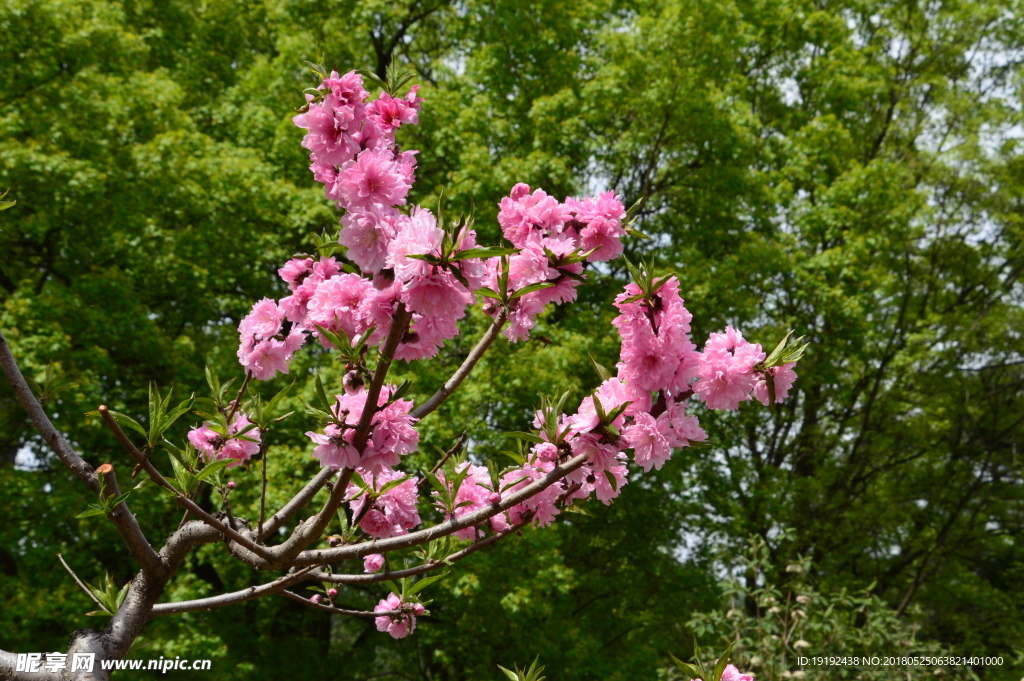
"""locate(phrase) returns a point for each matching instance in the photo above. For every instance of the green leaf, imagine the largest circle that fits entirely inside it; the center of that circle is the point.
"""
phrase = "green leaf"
(125, 422)
(602, 372)
(689, 670)
(509, 673)
(322, 394)
(776, 354)
(611, 480)
(98, 510)
(723, 660)
(213, 468)
(488, 293)
(531, 288)
(424, 583)
(483, 252)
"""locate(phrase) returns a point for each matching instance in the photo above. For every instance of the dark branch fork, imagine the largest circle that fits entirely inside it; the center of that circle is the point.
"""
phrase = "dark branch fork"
(292, 556)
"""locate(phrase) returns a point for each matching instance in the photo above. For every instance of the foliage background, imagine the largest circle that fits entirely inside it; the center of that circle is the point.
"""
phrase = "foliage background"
(850, 169)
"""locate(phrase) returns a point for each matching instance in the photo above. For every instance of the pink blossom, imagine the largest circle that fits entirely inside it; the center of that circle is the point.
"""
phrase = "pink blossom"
(605, 236)
(389, 113)
(295, 271)
(367, 234)
(373, 562)
(603, 489)
(400, 625)
(600, 454)
(336, 304)
(437, 295)
(474, 493)
(678, 427)
(524, 317)
(345, 90)
(540, 507)
(393, 512)
(264, 359)
(213, 446)
(650, 446)
(648, 362)
(782, 377)
(417, 235)
(332, 449)
(425, 337)
(328, 139)
(726, 370)
(263, 321)
(523, 215)
(372, 177)
(731, 673)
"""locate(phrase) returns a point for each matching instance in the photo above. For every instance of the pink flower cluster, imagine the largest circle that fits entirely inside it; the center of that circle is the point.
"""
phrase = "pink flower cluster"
(657, 353)
(213, 446)
(476, 491)
(399, 256)
(399, 625)
(391, 437)
(727, 372)
(351, 142)
(390, 514)
(552, 237)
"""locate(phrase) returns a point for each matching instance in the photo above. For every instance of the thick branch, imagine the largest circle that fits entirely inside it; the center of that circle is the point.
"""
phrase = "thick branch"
(442, 530)
(380, 374)
(465, 369)
(60, 446)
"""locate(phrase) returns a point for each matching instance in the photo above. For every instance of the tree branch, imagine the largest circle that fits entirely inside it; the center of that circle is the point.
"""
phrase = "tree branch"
(437, 531)
(82, 470)
(128, 526)
(183, 500)
(338, 611)
(233, 597)
(465, 369)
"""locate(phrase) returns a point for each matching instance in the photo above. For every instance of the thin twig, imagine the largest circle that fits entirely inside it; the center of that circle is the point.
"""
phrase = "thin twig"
(84, 587)
(183, 500)
(339, 611)
(263, 495)
(447, 455)
(236, 405)
(465, 369)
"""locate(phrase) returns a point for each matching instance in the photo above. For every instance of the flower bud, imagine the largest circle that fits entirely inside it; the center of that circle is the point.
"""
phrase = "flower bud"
(803, 600)
(332, 592)
(774, 609)
(801, 644)
(495, 498)
(796, 568)
(315, 598)
(333, 542)
(756, 661)
(231, 484)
